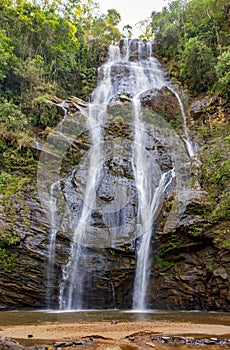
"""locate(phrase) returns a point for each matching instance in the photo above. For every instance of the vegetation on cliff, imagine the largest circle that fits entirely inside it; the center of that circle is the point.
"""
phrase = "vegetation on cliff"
(192, 37)
(46, 49)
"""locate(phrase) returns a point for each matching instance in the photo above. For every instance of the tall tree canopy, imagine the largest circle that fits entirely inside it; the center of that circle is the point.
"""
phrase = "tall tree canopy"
(51, 47)
(193, 37)
(44, 43)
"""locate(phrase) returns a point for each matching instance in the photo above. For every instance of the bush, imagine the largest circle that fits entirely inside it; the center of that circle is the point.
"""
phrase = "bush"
(12, 117)
(223, 73)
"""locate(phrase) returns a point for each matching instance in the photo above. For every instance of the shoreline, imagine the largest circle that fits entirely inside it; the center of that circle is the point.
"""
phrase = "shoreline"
(117, 330)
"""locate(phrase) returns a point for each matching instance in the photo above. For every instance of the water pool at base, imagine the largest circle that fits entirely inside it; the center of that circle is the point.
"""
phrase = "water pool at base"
(27, 317)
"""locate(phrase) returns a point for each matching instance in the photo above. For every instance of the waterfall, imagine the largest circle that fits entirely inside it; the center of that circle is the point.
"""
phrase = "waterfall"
(147, 214)
(130, 73)
(187, 141)
(71, 290)
(150, 197)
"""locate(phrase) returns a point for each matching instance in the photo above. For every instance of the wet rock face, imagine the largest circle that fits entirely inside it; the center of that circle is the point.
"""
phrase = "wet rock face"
(189, 271)
(110, 272)
(112, 219)
(134, 51)
(164, 103)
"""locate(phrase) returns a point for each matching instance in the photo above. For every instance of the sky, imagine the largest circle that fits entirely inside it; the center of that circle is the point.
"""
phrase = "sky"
(132, 11)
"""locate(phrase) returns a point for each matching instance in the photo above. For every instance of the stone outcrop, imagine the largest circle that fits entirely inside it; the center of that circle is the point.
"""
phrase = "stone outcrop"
(8, 343)
(209, 111)
(165, 103)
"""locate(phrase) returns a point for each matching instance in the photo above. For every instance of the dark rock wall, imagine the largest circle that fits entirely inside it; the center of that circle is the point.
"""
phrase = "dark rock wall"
(190, 268)
(22, 277)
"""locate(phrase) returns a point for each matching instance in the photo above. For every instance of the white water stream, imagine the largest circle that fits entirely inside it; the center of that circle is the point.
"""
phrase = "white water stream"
(142, 73)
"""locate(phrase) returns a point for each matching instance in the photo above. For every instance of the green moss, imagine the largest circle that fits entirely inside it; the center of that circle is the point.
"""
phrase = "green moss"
(225, 243)
(222, 238)
(10, 184)
(173, 242)
(220, 233)
(164, 263)
(222, 210)
(215, 177)
(212, 266)
(169, 204)
(192, 182)
(227, 139)
(195, 231)
(7, 259)
(8, 238)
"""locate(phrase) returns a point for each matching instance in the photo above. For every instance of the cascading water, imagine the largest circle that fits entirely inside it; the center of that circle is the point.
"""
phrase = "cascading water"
(130, 72)
(148, 76)
(186, 138)
(73, 278)
(147, 215)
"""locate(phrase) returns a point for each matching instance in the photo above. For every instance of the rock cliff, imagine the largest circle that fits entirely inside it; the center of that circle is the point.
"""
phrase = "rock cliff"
(190, 247)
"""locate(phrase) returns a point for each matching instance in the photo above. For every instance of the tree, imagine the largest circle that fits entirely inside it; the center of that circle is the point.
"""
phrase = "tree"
(169, 29)
(191, 35)
(6, 55)
(146, 30)
(208, 20)
(127, 31)
(223, 73)
(197, 67)
(113, 17)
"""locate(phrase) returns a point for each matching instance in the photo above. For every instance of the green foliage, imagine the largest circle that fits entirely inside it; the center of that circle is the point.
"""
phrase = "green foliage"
(127, 31)
(197, 64)
(194, 37)
(47, 48)
(46, 43)
(215, 178)
(6, 55)
(10, 184)
(194, 231)
(212, 266)
(11, 116)
(164, 263)
(168, 28)
(44, 114)
(113, 17)
(5, 178)
(216, 168)
(223, 73)
(173, 242)
(9, 238)
(222, 210)
(8, 260)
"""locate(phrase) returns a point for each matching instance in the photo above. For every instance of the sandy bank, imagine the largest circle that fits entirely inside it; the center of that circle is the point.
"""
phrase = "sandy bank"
(61, 332)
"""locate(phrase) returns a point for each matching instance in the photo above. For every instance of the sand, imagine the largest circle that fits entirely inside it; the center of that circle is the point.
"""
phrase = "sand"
(119, 336)
(61, 331)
